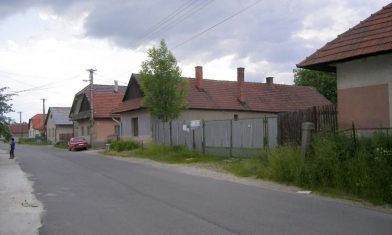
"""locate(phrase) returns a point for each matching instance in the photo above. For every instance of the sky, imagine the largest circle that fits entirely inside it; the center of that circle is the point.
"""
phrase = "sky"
(47, 45)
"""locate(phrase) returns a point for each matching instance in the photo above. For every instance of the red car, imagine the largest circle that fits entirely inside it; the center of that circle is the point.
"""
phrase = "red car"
(77, 143)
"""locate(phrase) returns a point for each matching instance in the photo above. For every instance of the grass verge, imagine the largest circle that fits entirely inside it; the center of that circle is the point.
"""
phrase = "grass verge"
(61, 146)
(167, 154)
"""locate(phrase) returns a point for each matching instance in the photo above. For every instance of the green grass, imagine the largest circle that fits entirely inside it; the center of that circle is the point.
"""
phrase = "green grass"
(336, 166)
(167, 154)
(32, 142)
(61, 145)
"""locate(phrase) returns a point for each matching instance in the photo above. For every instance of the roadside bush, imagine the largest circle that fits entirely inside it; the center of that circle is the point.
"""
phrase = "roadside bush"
(122, 145)
(335, 164)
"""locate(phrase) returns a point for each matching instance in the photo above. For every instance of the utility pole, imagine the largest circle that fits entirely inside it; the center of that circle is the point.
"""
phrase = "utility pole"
(91, 80)
(43, 118)
(20, 117)
(43, 106)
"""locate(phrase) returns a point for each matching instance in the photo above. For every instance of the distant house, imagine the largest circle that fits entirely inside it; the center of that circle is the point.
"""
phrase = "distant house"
(216, 100)
(105, 97)
(362, 60)
(36, 125)
(58, 126)
(19, 130)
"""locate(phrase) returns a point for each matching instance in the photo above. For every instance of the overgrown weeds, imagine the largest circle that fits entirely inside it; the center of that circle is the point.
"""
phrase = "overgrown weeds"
(335, 164)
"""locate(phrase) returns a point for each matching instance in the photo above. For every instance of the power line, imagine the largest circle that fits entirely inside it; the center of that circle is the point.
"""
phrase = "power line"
(183, 17)
(215, 25)
(169, 17)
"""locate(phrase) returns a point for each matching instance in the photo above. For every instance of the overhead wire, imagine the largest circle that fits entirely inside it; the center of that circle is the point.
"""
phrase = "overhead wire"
(181, 18)
(215, 25)
(168, 18)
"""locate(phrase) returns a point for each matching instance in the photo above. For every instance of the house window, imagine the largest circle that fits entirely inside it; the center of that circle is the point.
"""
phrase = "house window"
(235, 117)
(135, 127)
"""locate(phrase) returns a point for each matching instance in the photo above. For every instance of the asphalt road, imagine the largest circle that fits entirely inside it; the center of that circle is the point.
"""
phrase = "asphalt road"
(87, 194)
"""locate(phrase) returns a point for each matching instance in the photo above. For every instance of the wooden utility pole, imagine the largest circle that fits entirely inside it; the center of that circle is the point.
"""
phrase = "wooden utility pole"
(43, 118)
(20, 117)
(91, 80)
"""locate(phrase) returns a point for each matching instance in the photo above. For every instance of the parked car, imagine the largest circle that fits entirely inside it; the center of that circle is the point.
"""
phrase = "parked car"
(77, 143)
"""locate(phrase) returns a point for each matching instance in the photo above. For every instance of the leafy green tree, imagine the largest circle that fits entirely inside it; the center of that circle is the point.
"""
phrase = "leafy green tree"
(324, 82)
(163, 88)
(5, 107)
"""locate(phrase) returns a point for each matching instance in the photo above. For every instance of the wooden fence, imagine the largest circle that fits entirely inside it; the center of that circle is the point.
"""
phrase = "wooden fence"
(289, 123)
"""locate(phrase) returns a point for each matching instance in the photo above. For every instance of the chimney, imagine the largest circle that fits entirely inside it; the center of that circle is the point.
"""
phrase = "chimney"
(240, 81)
(115, 86)
(269, 80)
(199, 77)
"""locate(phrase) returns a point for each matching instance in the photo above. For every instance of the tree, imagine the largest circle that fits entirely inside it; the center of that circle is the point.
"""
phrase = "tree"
(324, 82)
(163, 88)
(5, 107)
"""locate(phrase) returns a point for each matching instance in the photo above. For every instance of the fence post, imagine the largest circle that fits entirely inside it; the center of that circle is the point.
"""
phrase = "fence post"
(170, 134)
(265, 132)
(203, 136)
(307, 130)
(193, 139)
(231, 138)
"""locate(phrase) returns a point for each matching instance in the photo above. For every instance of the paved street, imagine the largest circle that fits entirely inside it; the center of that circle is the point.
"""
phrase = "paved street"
(87, 194)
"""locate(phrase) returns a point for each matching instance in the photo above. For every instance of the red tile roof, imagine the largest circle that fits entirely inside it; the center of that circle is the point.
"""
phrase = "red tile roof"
(259, 97)
(104, 103)
(369, 37)
(19, 128)
(104, 98)
(37, 121)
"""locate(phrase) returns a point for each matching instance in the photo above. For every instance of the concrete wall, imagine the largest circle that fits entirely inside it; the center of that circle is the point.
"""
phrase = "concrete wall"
(365, 92)
(145, 121)
(188, 115)
(102, 129)
(33, 132)
(53, 132)
(144, 124)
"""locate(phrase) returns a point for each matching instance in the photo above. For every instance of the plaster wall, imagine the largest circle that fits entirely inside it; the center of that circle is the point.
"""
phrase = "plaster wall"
(365, 88)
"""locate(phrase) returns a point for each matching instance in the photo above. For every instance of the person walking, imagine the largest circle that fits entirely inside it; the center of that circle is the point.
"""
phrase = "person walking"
(12, 144)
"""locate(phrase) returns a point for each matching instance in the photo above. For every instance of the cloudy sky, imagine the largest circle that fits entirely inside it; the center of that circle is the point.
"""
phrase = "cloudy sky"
(47, 45)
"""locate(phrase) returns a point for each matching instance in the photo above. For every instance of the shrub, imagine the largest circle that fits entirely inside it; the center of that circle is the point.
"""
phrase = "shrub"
(122, 145)
(335, 164)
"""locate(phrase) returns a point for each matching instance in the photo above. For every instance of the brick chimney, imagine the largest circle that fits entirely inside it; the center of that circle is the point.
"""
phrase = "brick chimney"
(115, 86)
(199, 77)
(269, 80)
(240, 81)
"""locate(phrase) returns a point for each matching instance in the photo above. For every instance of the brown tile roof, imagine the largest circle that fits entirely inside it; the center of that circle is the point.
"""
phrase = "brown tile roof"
(369, 37)
(260, 97)
(104, 103)
(37, 121)
(19, 128)
(104, 98)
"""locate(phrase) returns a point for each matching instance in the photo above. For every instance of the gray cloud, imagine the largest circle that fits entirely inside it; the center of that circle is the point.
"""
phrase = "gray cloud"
(264, 32)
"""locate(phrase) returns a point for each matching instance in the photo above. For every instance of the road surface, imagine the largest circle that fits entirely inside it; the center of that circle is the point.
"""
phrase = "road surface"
(89, 194)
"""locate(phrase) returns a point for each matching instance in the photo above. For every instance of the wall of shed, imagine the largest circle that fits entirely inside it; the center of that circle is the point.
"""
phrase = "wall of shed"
(188, 115)
(145, 121)
(365, 92)
(144, 124)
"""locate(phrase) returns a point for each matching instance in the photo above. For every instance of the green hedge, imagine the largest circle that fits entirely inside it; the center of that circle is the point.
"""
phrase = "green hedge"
(122, 145)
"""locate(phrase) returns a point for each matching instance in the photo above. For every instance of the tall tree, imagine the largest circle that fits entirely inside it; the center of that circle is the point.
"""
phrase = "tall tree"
(5, 107)
(163, 88)
(324, 82)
